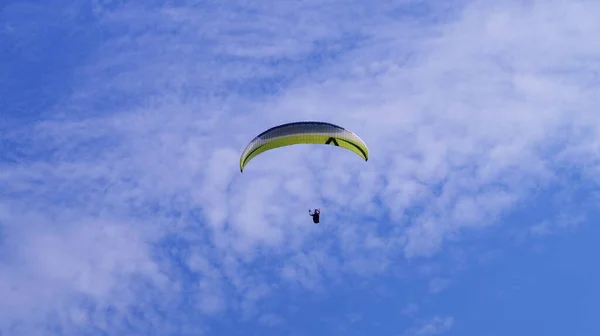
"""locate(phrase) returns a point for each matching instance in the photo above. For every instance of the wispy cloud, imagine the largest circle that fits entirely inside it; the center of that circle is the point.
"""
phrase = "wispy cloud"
(434, 326)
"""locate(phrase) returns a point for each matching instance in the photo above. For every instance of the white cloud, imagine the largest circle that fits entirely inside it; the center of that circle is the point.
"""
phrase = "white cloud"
(434, 326)
(271, 320)
(410, 309)
(437, 285)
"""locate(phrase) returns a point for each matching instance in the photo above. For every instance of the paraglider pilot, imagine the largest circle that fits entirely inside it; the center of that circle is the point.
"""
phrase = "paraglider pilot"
(315, 215)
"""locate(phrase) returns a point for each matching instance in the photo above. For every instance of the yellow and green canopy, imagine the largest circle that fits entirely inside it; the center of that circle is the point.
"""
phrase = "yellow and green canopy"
(304, 132)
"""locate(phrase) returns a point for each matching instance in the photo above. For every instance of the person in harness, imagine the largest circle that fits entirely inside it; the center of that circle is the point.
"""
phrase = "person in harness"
(315, 215)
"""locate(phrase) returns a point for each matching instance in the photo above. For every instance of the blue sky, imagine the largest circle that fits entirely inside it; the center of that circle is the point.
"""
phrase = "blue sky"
(123, 211)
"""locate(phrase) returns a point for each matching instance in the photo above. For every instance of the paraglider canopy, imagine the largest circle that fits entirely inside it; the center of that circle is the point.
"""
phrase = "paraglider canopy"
(303, 132)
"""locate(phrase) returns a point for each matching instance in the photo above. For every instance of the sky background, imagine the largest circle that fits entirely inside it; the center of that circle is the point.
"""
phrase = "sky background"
(123, 211)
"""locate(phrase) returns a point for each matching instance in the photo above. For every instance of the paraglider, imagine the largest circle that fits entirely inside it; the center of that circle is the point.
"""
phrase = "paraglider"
(315, 215)
(304, 132)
